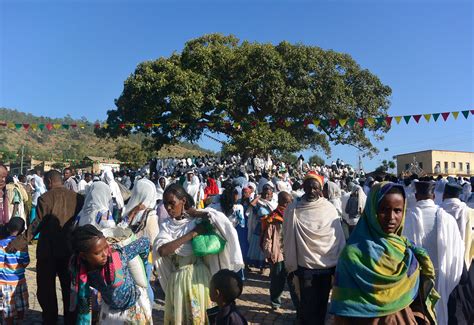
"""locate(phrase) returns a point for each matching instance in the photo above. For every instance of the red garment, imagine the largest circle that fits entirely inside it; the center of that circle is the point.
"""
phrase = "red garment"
(211, 188)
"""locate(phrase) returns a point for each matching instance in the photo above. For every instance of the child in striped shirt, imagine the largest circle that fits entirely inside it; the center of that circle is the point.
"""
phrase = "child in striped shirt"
(13, 288)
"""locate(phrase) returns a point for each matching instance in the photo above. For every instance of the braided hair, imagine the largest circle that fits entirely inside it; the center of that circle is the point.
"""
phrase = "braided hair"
(84, 237)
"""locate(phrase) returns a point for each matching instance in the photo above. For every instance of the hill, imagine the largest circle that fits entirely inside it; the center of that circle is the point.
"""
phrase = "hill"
(74, 144)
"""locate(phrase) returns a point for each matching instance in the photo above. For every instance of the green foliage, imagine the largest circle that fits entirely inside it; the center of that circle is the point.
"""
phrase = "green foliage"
(386, 165)
(218, 79)
(133, 155)
(316, 160)
(288, 158)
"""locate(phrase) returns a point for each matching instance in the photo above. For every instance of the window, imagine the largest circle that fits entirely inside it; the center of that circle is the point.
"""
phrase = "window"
(437, 168)
(446, 165)
(420, 164)
(468, 166)
(453, 165)
(407, 166)
(460, 166)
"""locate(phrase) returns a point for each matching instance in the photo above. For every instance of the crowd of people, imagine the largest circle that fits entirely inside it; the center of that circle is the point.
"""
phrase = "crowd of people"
(349, 247)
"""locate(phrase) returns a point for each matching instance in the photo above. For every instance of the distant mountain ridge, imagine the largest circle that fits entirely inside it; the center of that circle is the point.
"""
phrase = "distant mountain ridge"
(75, 144)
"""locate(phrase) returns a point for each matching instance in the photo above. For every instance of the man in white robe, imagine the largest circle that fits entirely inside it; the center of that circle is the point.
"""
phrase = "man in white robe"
(192, 186)
(432, 228)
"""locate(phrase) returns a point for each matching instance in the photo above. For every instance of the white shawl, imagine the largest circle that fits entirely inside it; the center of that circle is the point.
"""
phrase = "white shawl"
(171, 229)
(450, 252)
(98, 200)
(312, 235)
(108, 178)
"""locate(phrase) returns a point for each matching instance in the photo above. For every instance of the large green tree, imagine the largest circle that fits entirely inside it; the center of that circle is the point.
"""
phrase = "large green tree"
(217, 81)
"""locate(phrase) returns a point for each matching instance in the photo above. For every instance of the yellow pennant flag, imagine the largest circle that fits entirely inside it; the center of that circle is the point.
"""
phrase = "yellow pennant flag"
(427, 117)
(398, 119)
(11, 125)
(342, 121)
(34, 127)
(105, 125)
(156, 124)
(287, 123)
(316, 122)
(455, 115)
(370, 120)
(56, 126)
(81, 125)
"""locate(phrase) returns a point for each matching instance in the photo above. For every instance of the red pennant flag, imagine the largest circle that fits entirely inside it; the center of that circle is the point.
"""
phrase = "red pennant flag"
(417, 118)
(445, 115)
(74, 125)
(361, 122)
(97, 126)
(26, 126)
(253, 123)
(388, 120)
(49, 126)
(472, 111)
(306, 122)
(122, 126)
(3, 123)
(149, 125)
(333, 123)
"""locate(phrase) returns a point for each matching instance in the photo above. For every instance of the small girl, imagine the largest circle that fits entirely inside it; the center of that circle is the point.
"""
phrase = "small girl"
(103, 267)
(13, 288)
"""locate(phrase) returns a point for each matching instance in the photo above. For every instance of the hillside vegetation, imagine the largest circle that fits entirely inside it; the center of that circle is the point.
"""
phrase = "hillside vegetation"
(74, 144)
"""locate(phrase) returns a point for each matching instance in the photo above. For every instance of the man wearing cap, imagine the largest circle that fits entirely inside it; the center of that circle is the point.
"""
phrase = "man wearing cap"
(312, 242)
(461, 301)
(429, 226)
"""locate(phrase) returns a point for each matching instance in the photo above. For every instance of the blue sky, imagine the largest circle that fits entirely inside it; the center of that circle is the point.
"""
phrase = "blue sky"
(73, 58)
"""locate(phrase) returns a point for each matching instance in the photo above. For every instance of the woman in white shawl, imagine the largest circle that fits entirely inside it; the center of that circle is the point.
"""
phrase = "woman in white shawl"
(108, 178)
(332, 192)
(141, 216)
(183, 276)
(355, 206)
(160, 187)
(97, 208)
(38, 189)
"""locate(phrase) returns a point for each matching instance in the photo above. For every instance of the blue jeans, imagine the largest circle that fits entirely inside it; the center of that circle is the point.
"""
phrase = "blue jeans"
(149, 271)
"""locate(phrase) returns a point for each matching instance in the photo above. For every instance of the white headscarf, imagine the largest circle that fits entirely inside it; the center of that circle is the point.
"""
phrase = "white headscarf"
(40, 189)
(143, 192)
(98, 200)
(159, 190)
(108, 178)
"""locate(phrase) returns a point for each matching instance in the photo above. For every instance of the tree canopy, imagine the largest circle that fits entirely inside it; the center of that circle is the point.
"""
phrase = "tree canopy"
(259, 95)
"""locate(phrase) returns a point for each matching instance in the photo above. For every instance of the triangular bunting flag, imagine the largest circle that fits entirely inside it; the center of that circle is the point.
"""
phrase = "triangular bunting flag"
(436, 116)
(445, 115)
(105, 125)
(417, 118)
(455, 115)
(427, 117)
(97, 126)
(361, 122)
(26, 126)
(41, 127)
(333, 123)
(65, 126)
(472, 111)
(388, 120)
(380, 119)
(122, 125)
(465, 113)
(34, 127)
(407, 118)
(49, 126)
(324, 123)
(155, 125)
(343, 121)
(5, 123)
(316, 122)
(288, 123)
(18, 126)
(11, 125)
(351, 122)
(370, 121)
(57, 126)
(398, 119)
(74, 125)
(81, 125)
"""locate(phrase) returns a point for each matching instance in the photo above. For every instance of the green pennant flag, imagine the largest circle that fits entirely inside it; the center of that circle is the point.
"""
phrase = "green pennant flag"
(324, 123)
(380, 120)
(18, 126)
(351, 122)
(41, 127)
(465, 113)
(65, 126)
(407, 118)
(436, 116)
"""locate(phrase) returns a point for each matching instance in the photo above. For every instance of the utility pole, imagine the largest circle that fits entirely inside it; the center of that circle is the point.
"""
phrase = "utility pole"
(361, 168)
(22, 154)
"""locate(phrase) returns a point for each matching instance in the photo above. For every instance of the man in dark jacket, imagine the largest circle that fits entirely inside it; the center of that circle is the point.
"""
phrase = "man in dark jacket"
(56, 211)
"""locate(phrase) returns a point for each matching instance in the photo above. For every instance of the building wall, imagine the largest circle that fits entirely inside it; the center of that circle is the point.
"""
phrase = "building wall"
(428, 160)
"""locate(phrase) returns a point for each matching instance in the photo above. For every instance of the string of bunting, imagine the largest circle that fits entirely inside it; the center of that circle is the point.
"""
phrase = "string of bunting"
(342, 122)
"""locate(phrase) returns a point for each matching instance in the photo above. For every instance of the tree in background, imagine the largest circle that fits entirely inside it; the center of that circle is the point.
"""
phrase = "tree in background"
(132, 155)
(316, 160)
(386, 165)
(267, 90)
